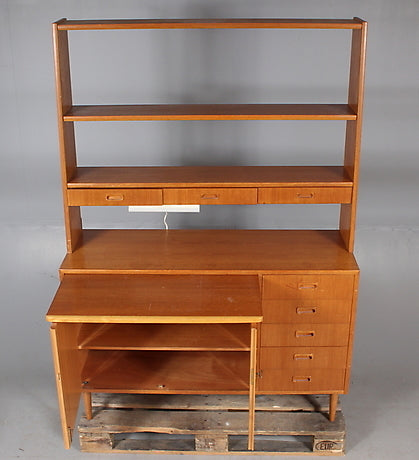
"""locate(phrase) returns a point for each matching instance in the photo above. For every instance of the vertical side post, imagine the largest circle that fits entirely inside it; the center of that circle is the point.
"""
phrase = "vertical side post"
(66, 137)
(252, 386)
(353, 131)
(67, 364)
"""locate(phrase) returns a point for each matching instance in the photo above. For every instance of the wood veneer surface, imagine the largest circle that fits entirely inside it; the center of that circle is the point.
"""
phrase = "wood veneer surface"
(209, 252)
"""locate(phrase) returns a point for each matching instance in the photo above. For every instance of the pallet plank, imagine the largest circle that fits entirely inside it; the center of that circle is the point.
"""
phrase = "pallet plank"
(319, 403)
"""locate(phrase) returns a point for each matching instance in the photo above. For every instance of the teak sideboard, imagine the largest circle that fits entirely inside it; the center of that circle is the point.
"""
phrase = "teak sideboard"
(205, 311)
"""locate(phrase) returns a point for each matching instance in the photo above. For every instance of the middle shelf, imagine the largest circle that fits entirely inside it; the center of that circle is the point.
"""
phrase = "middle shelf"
(205, 176)
(137, 112)
(165, 337)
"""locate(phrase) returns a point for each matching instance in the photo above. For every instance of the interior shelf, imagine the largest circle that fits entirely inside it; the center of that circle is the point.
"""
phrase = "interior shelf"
(210, 112)
(182, 337)
(209, 252)
(214, 176)
(192, 372)
(236, 23)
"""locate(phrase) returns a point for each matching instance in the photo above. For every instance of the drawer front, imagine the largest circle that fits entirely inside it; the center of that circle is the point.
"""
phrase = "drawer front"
(210, 196)
(308, 287)
(295, 381)
(307, 358)
(306, 311)
(114, 197)
(305, 195)
(290, 335)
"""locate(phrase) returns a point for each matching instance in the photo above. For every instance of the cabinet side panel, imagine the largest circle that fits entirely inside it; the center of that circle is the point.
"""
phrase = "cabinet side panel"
(66, 136)
(351, 333)
(353, 131)
(67, 365)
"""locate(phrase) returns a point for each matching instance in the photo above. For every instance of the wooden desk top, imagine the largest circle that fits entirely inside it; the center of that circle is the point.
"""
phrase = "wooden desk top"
(118, 298)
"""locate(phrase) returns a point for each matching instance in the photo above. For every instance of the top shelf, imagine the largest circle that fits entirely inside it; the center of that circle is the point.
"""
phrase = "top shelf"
(236, 23)
(210, 112)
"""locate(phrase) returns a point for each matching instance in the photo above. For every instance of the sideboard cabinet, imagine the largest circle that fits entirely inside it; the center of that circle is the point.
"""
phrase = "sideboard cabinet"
(205, 311)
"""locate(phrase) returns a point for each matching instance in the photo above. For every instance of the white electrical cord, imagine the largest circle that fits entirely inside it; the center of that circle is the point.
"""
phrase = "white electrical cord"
(165, 221)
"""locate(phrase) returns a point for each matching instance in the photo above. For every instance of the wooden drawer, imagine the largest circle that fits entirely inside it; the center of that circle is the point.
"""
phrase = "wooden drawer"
(210, 196)
(295, 381)
(306, 195)
(289, 335)
(308, 287)
(303, 358)
(114, 197)
(307, 311)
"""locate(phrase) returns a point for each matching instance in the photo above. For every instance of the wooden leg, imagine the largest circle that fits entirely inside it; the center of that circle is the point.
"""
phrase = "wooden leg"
(87, 399)
(333, 402)
(252, 387)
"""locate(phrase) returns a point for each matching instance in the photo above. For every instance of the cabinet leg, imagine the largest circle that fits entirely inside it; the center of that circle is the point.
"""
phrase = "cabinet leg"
(87, 399)
(333, 402)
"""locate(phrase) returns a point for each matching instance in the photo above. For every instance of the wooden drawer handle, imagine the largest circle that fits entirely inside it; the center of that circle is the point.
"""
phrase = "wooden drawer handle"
(114, 197)
(205, 196)
(302, 286)
(306, 310)
(309, 196)
(302, 379)
(299, 334)
(303, 356)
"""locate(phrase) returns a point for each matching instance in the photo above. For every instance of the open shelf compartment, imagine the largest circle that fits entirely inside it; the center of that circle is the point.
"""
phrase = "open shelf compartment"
(166, 372)
(166, 337)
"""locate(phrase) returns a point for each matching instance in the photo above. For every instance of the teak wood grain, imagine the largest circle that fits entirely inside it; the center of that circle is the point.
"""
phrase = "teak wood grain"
(307, 310)
(166, 371)
(156, 299)
(68, 362)
(209, 176)
(66, 137)
(308, 287)
(210, 196)
(302, 358)
(299, 381)
(184, 337)
(204, 288)
(305, 334)
(158, 112)
(354, 130)
(205, 23)
(305, 195)
(210, 252)
(112, 197)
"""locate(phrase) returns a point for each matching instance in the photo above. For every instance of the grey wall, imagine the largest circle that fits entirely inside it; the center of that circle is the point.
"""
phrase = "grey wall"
(211, 66)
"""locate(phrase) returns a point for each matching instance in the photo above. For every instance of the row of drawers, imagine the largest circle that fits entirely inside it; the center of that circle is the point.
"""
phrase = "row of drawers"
(124, 197)
(305, 333)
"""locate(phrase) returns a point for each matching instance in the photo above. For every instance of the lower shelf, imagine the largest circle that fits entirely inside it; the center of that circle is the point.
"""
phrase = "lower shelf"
(166, 372)
(214, 424)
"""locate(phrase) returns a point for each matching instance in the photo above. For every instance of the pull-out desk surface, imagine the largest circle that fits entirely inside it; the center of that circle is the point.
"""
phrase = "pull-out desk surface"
(187, 334)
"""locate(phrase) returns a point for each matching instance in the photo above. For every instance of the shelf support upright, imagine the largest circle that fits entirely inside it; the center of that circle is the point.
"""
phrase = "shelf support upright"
(353, 131)
(66, 137)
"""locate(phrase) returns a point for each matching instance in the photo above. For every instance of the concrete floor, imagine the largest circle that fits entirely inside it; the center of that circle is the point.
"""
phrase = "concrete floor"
(381, 410)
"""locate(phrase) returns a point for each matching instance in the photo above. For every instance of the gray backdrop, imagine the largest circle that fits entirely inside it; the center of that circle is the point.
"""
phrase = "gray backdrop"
(212, 66)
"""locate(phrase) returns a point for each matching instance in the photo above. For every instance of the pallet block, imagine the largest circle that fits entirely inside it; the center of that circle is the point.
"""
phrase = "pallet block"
(285, 424)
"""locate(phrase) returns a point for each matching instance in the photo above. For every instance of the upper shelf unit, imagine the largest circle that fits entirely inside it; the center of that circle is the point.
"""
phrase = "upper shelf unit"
(183, 184)
(233, 23)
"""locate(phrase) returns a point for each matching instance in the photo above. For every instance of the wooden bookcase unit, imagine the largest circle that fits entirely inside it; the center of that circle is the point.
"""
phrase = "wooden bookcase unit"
(205, 311)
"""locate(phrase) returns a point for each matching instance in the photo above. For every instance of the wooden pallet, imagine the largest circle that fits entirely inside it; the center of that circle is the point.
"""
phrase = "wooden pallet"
(285, 424)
